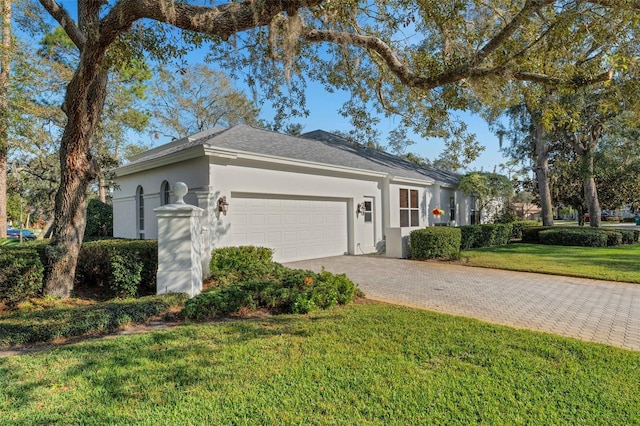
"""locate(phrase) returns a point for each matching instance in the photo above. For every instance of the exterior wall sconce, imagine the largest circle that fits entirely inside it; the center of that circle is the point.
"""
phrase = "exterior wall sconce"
(360, 209)
(223, 205)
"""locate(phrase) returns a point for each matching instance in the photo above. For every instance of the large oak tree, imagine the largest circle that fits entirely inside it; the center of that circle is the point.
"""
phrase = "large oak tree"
(416, 59)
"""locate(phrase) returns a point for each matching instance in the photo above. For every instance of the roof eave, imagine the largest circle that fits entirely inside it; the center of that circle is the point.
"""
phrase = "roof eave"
(176, 157)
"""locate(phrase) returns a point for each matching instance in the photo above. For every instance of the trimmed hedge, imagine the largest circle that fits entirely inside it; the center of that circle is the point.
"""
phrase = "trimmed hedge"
(615, 236)
(518, 226)
(576, 237)
(531, 234)
(99, 220)
(243, 263)
(21, 275)
(125, 267)
(435, 242)
(628, 235)
(487, 235)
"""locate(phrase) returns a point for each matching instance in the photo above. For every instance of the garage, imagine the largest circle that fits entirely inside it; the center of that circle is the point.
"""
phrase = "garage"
(295, 228)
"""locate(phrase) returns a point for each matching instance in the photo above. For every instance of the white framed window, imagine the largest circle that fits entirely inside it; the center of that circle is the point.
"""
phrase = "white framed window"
(409, 209)
(368, 211)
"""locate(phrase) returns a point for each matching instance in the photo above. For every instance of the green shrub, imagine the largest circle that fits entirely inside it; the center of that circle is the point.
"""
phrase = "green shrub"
(627, 236)
(21, 275)
(507, 215)
(287, 290)
(471, 237)
(230, 264)
(636, 235)
(99, 219)
(123, 267)
(615, 237)
(574, 237)
(530, 234)
(218, 301)
(518, 226)
(500, 233)
(435, 242)
(487, 235)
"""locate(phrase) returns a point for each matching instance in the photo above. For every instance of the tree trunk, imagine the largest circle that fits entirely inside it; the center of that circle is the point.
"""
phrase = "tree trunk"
(5, 70)
(102, 190)
(542, 178)
(83, 105)
(590, 190)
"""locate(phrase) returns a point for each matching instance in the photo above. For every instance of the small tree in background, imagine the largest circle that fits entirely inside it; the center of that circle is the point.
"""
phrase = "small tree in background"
(485, 187)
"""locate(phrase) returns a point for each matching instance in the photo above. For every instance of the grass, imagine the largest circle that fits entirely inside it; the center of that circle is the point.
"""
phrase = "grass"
(620, 263)
(362, 364)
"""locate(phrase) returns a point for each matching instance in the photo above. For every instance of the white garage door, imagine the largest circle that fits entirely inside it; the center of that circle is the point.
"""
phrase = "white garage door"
(295, 229)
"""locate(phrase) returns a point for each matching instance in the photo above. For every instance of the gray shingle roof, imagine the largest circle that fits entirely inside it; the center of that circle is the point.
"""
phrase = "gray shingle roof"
(317, 146)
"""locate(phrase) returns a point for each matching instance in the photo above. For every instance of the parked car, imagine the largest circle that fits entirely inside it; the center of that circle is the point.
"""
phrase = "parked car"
(603, 216)
(26, 234)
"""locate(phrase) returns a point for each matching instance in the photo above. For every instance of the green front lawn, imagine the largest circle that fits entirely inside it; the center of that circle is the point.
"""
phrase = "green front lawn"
(620, 263)
(362, 364)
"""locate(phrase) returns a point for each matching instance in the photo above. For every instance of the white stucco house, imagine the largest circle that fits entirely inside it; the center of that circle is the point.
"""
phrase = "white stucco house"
(305, 197)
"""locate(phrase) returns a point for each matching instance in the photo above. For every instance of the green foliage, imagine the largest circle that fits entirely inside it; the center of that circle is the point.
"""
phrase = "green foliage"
(530, 234)
(243, 263)
(247, 280)
(125, 267)
(52, 320)
(99, 219)
(21, 275)
(626, 234)
(613, 236)
(584, 237)
(435, 242)
(487, 235)
(486, 187)
(516, 232)
(289, 291)
(507, 215)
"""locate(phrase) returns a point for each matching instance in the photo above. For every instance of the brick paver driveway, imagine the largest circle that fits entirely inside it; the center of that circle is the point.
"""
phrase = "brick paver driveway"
(596, 311)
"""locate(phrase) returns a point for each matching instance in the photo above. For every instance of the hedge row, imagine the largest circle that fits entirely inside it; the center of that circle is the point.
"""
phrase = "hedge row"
(488, 235)
(21, 275)
(572, 236)
(435, 242)
(119, 268)
(125, 268)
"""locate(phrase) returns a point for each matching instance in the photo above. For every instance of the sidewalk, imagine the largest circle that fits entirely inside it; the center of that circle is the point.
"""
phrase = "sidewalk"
(590, 310)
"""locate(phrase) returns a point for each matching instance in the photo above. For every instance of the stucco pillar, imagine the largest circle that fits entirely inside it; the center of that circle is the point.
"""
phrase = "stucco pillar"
(205, 202)
(179, 246)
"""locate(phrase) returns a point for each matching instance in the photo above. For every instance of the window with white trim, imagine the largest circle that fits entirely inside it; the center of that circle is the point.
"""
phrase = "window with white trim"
(368, 211)
(409, 209)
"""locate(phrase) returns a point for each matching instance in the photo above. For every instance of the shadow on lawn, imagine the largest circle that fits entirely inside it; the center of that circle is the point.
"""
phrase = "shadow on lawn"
(148, 368)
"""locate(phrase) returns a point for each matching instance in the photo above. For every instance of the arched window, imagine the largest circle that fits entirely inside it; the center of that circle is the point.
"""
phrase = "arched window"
(140, 212)
(165, 193)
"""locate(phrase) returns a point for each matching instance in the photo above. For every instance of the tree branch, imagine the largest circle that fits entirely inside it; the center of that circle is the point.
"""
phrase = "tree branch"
(222, 21)
(63, 18)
